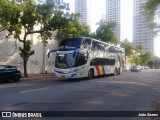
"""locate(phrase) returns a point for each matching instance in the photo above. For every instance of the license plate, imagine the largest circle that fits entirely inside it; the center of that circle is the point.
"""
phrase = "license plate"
(62, 76)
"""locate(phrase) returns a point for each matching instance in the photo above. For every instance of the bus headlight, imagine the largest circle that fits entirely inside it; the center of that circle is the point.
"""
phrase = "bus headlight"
(73, 75)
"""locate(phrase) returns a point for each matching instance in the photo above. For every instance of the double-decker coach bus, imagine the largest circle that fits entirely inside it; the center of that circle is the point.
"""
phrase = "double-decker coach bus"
(88, 57)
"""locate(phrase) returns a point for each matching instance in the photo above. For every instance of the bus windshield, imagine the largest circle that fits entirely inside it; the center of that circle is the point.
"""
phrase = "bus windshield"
(69, 60)
(70, 44)
(65, 61)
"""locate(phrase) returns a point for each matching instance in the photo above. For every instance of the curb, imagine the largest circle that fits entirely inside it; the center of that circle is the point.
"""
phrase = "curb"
(37, 77)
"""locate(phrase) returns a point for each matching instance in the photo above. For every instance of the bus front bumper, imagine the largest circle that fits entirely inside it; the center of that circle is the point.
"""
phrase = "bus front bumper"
(69, 75)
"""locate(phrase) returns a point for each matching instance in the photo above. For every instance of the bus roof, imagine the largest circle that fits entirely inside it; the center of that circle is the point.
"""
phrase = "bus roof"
(101, 42)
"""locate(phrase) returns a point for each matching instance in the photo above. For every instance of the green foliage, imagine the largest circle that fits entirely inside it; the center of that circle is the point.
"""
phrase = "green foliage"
(135, 59)
(73, 29)
(105, 31)
(154, 63)
(20, 17)
(128, 46)
(9, 14)
(85, 30)
(26, 51)
(151, 10)
(93, 35)
(157, 62)
(59, 20)
(146, 57)
(138, 49)
(134, 53)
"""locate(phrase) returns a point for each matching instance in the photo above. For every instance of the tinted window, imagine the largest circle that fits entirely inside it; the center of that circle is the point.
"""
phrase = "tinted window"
(116, 50)
(82, 59)
(10, 68)
(70, 44)
(1, 68)
(70, 61)
(112, 49)
(86, 43)
(65, 61)
(98, 46)
(102, 61)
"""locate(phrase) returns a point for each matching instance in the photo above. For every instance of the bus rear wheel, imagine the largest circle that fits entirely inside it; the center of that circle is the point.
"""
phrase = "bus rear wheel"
(90, 74)
(115, 72)
(119, 71)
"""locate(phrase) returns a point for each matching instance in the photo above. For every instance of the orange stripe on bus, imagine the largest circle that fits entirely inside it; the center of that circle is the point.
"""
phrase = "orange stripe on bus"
(99, 70)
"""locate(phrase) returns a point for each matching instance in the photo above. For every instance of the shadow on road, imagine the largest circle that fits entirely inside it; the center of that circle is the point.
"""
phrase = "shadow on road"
(83, 79)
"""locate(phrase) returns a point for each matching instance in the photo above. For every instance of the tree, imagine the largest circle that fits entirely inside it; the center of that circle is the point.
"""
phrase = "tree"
(157, 62)
(128, 46)
(154, 63)
(9, 14)
(73, 29)
(138, 49)
(146, 57)
(105, 31)
(151, 10)
(135, 59)
(23, 15)
(85, 30)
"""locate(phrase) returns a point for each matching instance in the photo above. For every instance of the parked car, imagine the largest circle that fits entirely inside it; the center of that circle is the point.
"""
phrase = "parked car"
(8, 73)
(135, 69)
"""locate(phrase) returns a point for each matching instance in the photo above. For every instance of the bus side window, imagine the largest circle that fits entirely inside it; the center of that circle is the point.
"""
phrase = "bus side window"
(98, 46)
(112, 49)
(82, 58)
(116, 50)
(93, 46)
(86, 43)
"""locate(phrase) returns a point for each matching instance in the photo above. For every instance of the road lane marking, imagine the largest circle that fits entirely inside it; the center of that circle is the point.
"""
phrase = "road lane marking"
(33, 90)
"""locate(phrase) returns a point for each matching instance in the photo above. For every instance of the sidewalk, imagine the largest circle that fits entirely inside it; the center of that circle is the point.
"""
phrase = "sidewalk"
(48, 76)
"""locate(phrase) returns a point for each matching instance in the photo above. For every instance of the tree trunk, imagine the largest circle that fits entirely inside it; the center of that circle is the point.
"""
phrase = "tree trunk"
(25, 68)
(25, 61)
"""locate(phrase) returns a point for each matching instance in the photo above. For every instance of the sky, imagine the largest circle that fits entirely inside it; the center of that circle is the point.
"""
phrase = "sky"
(126, 19)
(98, 12)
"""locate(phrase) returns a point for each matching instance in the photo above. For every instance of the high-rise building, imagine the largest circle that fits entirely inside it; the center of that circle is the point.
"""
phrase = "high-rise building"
(83, 7)
(142, 34)
(113, 14)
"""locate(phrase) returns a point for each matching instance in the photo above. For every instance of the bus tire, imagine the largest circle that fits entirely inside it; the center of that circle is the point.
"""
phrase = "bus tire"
(119, 71)
(115, 72)
(90, 74)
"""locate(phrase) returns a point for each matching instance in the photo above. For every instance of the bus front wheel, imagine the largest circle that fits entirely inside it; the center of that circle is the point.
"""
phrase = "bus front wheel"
(90, 74)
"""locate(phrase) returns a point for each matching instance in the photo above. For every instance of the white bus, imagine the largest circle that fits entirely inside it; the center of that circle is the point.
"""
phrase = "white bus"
(88, 57)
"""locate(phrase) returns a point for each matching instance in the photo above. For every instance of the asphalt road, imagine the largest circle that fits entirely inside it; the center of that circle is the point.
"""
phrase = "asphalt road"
(138, 91)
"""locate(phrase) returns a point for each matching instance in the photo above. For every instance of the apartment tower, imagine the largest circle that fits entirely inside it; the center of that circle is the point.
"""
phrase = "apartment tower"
(142, 34)
(113, 14)
(83, 7)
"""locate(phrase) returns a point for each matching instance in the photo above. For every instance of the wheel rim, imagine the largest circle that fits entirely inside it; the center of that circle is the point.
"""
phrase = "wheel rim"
(17, 79)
